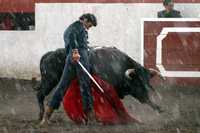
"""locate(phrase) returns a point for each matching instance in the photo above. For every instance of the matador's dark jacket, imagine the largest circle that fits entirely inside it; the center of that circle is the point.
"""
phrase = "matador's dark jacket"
(75, 37)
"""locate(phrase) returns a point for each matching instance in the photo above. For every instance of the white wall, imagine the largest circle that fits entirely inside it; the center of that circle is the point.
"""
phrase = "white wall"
(118, 25)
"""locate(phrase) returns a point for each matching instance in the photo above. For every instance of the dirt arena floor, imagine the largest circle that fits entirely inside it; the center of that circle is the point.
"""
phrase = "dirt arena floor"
(19, 112)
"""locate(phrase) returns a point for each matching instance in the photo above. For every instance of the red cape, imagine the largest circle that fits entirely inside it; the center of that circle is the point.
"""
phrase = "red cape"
(107, 106)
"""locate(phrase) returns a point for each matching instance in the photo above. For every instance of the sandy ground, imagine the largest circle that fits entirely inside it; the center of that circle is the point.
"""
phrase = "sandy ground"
(19, 112)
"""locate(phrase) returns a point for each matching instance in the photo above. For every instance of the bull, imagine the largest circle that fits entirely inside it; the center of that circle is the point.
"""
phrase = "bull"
(126, 75)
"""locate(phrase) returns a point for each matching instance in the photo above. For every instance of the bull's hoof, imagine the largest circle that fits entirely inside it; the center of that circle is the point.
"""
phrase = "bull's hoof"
(139, 123)
(44, 123)
(46, 116)
(40, 116)
(160, 110)
(36, 88)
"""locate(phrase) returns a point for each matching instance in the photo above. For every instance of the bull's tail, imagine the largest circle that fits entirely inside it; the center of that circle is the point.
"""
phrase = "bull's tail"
(35, 84)
(37, 87)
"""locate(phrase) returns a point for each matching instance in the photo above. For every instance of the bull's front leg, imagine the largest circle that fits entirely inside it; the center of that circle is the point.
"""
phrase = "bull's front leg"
(154, 106)
(40, 99)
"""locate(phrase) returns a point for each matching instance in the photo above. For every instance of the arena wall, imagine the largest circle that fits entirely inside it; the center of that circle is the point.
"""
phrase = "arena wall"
(119, 25)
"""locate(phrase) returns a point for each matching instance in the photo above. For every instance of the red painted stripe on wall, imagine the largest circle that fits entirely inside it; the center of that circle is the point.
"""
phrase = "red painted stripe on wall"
(118, 1)
(17, 5)
(28, 5)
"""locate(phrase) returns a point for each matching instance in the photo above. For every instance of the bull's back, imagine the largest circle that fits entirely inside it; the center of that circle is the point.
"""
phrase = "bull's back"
(107, 62)
(52, 64)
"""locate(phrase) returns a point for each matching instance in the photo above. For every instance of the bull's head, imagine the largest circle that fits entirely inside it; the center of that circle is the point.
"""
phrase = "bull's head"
(138, 85)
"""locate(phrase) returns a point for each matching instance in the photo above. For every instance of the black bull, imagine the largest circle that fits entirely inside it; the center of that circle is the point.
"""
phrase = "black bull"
(127, 76)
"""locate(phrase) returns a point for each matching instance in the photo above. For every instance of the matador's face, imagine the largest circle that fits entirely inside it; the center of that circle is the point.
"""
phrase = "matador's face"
(87, 24)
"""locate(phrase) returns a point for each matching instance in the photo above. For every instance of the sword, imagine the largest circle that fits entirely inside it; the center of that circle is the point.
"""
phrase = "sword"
(95, 82)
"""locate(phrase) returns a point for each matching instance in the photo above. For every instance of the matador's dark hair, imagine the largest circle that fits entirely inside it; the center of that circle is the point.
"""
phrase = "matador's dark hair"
(90, 17)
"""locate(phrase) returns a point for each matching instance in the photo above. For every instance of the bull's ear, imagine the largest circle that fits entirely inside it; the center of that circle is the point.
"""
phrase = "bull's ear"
(130, 73)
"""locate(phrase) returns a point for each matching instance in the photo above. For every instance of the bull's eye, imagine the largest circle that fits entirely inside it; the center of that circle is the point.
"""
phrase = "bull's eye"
(132, 75)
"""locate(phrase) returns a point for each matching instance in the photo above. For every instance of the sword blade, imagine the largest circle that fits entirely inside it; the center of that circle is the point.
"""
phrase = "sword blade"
(95, 82)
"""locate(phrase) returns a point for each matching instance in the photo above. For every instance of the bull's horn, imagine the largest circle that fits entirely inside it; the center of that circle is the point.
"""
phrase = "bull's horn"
(155, 72)
(128, 72)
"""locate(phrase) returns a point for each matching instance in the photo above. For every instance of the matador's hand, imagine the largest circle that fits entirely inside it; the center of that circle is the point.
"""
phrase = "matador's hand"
(75, 55)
